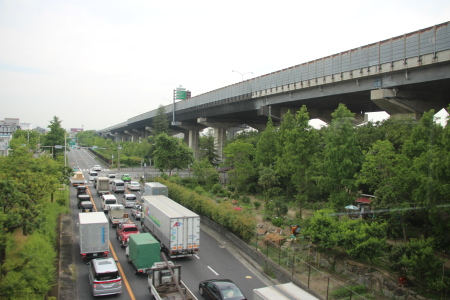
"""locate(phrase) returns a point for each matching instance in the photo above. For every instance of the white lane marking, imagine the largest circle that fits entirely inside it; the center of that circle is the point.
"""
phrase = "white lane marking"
(196, 256)
(217, 274)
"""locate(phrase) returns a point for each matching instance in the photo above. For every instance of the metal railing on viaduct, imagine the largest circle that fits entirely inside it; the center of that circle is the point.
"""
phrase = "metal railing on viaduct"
(413, 50)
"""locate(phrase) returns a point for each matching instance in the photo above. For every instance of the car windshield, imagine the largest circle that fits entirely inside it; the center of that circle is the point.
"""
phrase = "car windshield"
(93, 173)
(110, 202)
(130, 229)
(131, 198)
(119, 183)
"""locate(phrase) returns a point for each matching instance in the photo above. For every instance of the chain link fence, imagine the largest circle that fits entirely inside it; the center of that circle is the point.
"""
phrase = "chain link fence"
(300, 266)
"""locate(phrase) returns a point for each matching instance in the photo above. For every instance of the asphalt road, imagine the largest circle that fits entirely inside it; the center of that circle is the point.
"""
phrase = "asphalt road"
(216, 259)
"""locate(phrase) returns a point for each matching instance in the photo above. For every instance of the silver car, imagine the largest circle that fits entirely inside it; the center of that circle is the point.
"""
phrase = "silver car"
(104, 277)
(136, 212)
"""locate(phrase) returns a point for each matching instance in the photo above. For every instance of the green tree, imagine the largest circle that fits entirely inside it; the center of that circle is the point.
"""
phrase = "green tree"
(426, 149)
(417, 259)
(55, 137)
(266, 148)
(171, 153)
(322, 228)
(239, 155)
(342, 158)
(360, 239)
(268, 179)
(205, 173)
(160, 123)
(207, 148)
(388, 175)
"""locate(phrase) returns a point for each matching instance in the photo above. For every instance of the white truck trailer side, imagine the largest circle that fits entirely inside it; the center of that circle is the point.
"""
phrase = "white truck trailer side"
(173, 225)
(285, 291)
(94, 235)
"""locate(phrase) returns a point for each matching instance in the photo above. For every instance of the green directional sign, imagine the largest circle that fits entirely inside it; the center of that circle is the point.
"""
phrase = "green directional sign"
(181, 94)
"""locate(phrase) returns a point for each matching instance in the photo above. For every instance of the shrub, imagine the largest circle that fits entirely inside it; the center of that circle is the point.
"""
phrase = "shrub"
(199, 190)
(257, 204)
(216, 188)
(277, 222)
(245, 199)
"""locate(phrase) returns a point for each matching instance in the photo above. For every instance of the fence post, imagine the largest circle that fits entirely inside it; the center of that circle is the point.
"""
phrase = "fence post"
(309, 274)
(279, 256)
(293, 264)
(328, 286)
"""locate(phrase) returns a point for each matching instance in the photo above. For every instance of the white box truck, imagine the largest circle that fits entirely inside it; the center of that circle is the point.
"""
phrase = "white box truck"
(102, 185)
(285, 291)
(94, 235)
(155, 189)
(173, 225)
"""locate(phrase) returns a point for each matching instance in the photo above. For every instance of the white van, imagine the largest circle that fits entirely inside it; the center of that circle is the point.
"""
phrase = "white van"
(107, 201)
(92, 175)
(118, 186)
(104, 277)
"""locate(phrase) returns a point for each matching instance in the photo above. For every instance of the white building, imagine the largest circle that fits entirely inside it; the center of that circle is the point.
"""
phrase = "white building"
(4, 144)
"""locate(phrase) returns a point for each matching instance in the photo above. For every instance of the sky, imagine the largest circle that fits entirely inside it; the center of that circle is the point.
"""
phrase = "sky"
(96, 63)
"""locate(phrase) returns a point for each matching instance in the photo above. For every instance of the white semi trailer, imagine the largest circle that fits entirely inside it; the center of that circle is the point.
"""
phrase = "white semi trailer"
(173, 225)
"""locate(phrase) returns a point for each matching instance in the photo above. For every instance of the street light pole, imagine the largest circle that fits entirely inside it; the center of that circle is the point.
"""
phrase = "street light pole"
(242, 74)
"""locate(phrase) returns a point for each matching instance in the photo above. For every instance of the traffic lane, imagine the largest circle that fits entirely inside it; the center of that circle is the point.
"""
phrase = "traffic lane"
(214, 261)
(137, 283)
(82, 281)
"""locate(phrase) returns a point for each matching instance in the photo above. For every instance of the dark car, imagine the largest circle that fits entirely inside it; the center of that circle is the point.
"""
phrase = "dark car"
(220, 289)
(86, 206)
(82, 198)
(81, 190)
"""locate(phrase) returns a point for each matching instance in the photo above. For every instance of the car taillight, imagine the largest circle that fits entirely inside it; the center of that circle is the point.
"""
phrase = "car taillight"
(83, 255)
(105, 253)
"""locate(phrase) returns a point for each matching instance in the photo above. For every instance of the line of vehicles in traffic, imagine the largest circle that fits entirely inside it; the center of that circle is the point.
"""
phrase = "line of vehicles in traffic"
(168, 229)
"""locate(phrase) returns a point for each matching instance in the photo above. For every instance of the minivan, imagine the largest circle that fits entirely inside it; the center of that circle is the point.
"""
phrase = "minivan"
(104, 277)
(107, 201)
(118, 186)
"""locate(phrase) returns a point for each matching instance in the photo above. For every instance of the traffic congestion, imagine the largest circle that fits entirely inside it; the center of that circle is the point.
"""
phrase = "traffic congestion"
(120, 233)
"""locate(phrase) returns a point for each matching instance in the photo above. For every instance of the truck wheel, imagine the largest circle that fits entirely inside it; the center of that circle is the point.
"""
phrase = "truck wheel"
(136, 271)
(128, 259)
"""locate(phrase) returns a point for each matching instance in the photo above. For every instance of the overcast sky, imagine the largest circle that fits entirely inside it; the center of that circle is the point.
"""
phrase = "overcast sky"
(96, 63)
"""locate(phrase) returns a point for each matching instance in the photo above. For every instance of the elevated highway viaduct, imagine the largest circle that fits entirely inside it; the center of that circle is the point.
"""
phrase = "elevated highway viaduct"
(403, 75)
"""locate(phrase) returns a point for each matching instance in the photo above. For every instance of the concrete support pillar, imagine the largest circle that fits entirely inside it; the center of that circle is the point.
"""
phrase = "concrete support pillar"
(120, 137)
(191, 133)
(128, 136)
(399, 103)
(148, 131)
(220, 132)
(138, 134)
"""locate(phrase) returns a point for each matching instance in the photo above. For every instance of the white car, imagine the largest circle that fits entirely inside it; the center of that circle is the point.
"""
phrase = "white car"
(134, 186)
(97, 168)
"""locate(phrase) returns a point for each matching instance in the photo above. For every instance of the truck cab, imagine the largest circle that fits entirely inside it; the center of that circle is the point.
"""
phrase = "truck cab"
(92, 175)
(123, 232)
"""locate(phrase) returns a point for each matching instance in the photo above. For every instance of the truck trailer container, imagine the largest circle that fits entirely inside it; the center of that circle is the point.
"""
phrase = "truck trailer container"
(285, 291)
(173, 225)
(142, 251)
(94, 235)
(155, 189)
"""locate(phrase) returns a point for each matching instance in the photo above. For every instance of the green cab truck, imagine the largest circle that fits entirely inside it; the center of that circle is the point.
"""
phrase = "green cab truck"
(142, 251)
